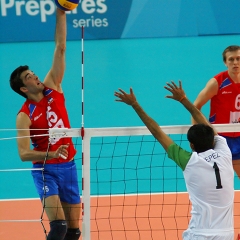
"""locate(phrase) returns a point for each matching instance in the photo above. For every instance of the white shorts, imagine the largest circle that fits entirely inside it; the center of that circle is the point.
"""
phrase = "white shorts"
(218, 235)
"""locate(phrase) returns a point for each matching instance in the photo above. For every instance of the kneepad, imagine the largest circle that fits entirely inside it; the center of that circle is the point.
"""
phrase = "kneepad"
(58, 229)
(72, 234)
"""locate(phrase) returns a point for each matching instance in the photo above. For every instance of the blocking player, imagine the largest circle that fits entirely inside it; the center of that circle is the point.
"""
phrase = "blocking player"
(207, 170)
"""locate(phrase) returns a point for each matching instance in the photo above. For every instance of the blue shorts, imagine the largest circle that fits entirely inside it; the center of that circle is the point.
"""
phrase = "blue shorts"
(60, 179)
(234, 145)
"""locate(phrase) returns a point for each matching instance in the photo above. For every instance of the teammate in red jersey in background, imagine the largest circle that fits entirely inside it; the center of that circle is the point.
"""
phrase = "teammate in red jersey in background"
(223, 91)
(44, 108)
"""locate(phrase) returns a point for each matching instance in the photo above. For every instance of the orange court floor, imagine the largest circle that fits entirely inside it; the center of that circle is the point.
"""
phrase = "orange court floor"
(132, 217)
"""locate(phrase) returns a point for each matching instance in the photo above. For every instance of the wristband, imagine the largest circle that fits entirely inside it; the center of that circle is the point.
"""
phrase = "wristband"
(180, 100)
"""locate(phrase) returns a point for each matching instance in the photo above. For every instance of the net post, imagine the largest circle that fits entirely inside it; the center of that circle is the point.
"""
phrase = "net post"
(86, 212)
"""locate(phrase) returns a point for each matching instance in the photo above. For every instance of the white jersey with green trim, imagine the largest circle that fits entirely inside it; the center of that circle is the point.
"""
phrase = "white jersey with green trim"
(209, 178)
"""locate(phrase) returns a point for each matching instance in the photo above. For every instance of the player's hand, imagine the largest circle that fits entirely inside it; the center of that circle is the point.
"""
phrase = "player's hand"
(124, 97)
(178, 93)
(62, 152)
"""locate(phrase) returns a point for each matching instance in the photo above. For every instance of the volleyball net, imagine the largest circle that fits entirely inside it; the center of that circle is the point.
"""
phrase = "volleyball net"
(130, 188)
(137, 193)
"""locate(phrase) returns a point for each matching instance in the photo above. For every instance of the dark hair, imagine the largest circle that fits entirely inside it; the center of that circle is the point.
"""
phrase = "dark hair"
(231, 48)
(201, 136)
(16, 82)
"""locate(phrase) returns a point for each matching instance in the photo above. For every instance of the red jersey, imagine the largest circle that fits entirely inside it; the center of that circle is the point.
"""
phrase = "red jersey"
(225, 106)
(50, 112)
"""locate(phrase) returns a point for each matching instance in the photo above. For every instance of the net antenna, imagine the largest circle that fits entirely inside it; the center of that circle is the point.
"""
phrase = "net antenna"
(82, 135)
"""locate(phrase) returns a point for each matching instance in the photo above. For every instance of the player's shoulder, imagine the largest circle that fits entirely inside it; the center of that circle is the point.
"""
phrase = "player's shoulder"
(220, 144)
(219, 138)
(23, 120)
(24, 107)
(221, 75)
(211, 88)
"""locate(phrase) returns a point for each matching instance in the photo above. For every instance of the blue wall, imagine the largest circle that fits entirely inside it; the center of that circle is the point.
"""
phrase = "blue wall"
(144, 64)
(108, 19)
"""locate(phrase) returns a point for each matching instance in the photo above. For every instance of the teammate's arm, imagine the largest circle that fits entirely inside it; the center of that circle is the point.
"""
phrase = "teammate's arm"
(208, 92)
(55, 76)
(23, 142)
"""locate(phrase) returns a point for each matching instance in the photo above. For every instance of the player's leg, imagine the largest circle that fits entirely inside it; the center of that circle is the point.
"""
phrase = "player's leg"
(50, 199)
(53, 208)
(72, 214)
(55, 213)
(70, 198)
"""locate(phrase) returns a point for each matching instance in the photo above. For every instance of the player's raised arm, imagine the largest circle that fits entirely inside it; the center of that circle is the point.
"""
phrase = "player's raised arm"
(56, 73)
(178, 94)
(151, 124)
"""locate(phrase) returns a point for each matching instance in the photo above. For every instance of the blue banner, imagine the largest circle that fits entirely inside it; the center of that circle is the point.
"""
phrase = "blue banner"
(34, 20)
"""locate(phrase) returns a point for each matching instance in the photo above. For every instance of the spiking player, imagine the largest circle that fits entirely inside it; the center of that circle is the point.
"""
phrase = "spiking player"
(45, 108)
(208, 170)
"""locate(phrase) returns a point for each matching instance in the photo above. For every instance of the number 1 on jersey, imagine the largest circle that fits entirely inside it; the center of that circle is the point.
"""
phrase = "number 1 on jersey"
(218, 178)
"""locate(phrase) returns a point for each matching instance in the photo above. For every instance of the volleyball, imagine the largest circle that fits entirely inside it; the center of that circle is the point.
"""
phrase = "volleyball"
(67, 5)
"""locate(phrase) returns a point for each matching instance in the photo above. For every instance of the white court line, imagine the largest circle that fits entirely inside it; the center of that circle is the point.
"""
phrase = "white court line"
(115, 195)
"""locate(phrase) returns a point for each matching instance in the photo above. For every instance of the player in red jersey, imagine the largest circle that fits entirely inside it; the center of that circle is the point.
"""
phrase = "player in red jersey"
(223, 91)
(45, 108)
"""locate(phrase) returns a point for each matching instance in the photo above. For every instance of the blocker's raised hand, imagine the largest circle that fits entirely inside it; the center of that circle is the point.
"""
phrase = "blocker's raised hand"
(178, 93)
(125, 97)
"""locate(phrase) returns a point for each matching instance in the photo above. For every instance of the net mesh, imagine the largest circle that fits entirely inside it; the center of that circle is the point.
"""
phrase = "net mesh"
(131, 189)
(137, 192)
